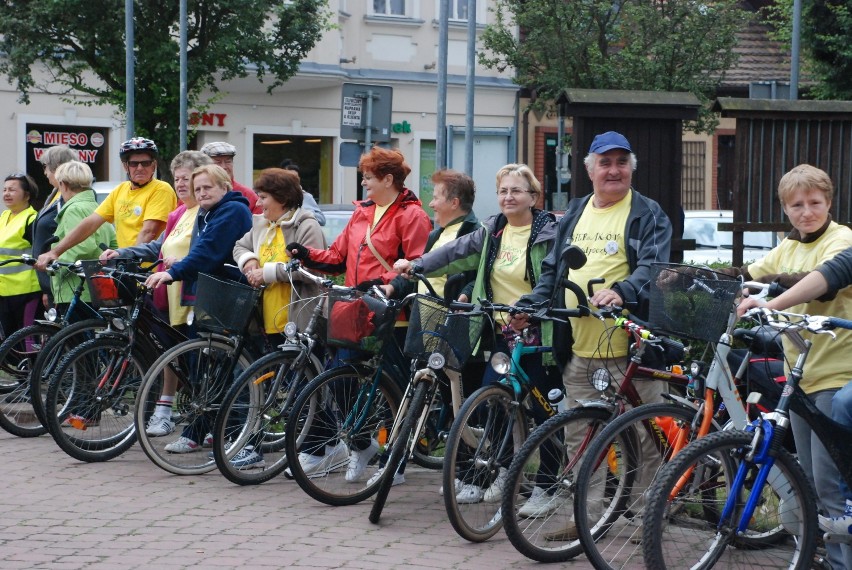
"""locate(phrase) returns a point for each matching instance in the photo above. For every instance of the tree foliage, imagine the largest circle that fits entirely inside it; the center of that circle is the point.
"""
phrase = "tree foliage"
(81, 45)
(826, 52)
(656, 45)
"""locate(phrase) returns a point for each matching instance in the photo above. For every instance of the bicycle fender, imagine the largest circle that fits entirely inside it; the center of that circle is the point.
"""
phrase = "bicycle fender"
(601, 404)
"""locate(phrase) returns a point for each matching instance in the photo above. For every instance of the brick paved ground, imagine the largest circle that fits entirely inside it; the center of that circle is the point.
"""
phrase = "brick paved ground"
(58, 513)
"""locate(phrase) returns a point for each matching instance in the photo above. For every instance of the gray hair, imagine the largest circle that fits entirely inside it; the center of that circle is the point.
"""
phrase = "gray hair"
(190, 159)
(589, 161)
(56, 155)
(77, 175)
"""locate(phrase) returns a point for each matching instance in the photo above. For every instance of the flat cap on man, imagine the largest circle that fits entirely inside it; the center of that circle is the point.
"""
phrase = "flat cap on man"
(607, 141)
(219, 148)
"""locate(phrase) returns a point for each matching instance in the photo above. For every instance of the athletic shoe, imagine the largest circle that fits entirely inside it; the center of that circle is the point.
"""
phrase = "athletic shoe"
(494, 493)
(457, 484)
(470, 494)
(358, 461)
(320, 465)
(398, 478)
(158, 426)
(182, 445)
(540, 504)
(207, 441)
(248, 458)
(838, 525)
(566, 534)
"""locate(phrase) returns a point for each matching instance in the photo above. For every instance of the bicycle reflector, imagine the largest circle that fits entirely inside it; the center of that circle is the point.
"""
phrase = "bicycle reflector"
(501, 363)
(601, 379)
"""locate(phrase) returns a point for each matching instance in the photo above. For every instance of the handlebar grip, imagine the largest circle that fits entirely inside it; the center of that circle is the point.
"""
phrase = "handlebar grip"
(775, 289)
(840, 323)
(569, 313)
(459, 306)
(671, 344)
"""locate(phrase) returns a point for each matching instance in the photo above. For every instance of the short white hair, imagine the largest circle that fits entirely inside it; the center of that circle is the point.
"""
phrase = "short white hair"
(590, 159)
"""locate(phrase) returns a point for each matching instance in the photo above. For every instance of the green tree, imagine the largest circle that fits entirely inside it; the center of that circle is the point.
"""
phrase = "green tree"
(72, 47)
(826, 53)
(656, 45)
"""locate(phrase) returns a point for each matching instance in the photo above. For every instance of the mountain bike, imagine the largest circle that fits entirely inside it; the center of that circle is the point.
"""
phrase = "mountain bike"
(713, 493)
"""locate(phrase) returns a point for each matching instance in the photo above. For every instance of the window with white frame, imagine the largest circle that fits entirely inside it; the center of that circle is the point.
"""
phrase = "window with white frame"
(458, 10)
(390, 8)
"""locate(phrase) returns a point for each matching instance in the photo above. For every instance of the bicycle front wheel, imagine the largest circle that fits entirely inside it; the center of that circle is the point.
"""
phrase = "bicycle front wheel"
(248, 436)
(91, 399)
(537, 506)
(17, 355)
(488, 431)
(623, 461)
(681, 527)
(346, 409)
(198, 372)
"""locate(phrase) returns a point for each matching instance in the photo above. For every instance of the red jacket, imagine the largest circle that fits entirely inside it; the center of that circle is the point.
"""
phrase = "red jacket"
(400, 234)
(249, 195)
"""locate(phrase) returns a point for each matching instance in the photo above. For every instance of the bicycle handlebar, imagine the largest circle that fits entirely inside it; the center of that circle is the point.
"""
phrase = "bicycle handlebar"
(25, 259)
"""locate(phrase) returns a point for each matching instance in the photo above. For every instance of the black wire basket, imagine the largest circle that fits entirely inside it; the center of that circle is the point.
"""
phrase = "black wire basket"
(691, 302)
(223, 306)
(110, 289)
(434, 328)
(358, 321)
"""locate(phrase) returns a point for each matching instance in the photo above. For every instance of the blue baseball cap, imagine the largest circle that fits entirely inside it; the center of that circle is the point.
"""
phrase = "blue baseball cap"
(607, 141)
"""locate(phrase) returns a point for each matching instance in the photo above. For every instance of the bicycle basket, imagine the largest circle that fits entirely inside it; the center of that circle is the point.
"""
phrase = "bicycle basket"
(358, 321)
(108, 289)
(691, 302)
(433, 328)
(223, 306)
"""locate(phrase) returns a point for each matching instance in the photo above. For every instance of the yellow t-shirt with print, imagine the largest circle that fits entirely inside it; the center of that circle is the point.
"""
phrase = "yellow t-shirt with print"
(176, 245)
(276, 296)
(508, 275)
(450, 233)
(128, 208)
(600, 234)
(823, 369)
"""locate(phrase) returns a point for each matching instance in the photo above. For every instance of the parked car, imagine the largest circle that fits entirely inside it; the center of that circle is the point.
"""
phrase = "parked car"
(712, 245)
(336, 218)
(103, 188)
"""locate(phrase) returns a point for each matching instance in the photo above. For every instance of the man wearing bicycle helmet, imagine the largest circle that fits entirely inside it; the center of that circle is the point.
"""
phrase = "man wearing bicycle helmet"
(137, 207)
(223, 154)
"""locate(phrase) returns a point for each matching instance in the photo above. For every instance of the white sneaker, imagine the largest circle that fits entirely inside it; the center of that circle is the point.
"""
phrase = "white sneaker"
(540, 504)
(207, 441)
(182, 445)
(358, 461)
(494, 493)
(457, 484)
(320, 465)
(470, 494)
(398, 478)
(158, 426)
(838, 525)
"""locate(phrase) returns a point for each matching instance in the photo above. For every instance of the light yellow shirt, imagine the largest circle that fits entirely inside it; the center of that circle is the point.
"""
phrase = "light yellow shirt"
(128, 208)
(450, 233)
(508, 276)
(380, 211)
(825, 368)
(176, 245)
(276, 296)
(600, 234)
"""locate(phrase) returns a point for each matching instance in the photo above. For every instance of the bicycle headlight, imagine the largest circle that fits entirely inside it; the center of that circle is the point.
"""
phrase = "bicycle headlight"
(51, 315)
(436, 361)
(601, 379)
(695, 368)
(501, 362)
(118, 324)
(290, 330)
(190, 318)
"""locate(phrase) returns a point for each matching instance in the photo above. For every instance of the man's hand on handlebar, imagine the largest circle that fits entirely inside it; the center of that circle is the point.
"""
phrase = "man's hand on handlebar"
(606, 298)
(44, 260)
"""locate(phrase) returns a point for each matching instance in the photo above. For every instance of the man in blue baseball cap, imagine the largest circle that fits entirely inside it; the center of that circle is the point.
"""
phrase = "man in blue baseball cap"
(622, 233)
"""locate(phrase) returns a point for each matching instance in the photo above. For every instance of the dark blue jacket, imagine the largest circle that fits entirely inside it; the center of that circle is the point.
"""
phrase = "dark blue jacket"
(212, 245)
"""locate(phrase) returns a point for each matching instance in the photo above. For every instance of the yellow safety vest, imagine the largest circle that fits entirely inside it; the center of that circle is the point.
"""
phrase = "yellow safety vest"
(16, 278)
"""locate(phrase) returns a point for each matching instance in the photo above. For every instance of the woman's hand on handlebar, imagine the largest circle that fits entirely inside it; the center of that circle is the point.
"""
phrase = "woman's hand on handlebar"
(157, 279)
(402, 266)
(749, 303)
(107, 254)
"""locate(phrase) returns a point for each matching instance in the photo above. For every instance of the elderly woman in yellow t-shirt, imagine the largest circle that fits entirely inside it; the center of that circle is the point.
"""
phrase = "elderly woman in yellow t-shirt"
(261, 252)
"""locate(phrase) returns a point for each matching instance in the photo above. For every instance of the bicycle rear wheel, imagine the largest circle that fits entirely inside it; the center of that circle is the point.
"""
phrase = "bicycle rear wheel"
(485, 435)
(17, 355)
(91, 399)
(681, 528)
(536, 506)
(351, 407)
(202, 369)
(248, 436)
(610, 494)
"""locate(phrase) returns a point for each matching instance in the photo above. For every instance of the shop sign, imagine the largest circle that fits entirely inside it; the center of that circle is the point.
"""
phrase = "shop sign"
(88, 142)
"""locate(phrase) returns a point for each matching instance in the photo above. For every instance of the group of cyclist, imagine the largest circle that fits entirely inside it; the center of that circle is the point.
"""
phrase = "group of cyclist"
(515, 257)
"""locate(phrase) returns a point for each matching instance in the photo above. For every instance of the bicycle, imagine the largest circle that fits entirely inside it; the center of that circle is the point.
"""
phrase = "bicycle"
(254, 410)
(29, 352)
(616, 476)
(712, 493)
(203, 369)
(91, 395)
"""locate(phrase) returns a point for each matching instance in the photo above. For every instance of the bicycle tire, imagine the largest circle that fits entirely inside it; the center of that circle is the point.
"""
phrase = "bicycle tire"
(609, 494)
(109, 408)
(197, 364)
(17, 355)
(63, 340)
(320, 419)
(399, 447)
(251, 415)
(527, 531)
(677, 533)
(482, 420)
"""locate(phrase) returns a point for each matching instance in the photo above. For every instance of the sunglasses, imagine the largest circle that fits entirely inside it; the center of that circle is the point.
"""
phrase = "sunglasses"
(17, 175)
(138, 163)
